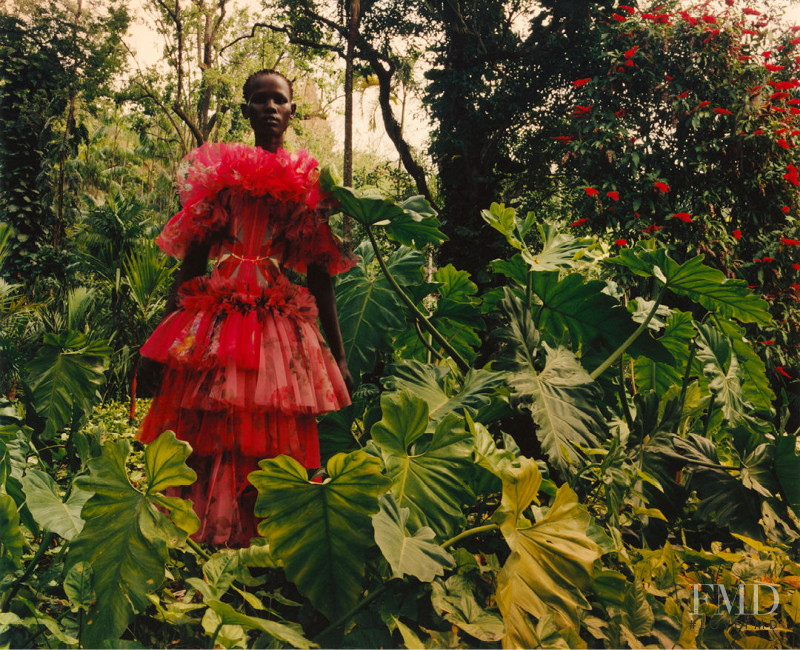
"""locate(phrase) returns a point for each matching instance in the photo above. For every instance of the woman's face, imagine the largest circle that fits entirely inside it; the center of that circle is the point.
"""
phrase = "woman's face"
(269, 109)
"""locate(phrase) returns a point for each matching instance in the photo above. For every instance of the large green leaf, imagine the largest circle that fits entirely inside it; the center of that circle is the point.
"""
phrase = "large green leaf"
(290, 633)
(417, 226)
(441, 390)
(321, 530)
(787, 468)
(721, 368)
(417, 555)
(559, 250)
(11, 540)
(677, 338)
(454, 601)
(66, 374)
(724, 499)
(729, 298)
(48, 509)
(752, 371)
(580, 307)
(563, 398)
(428, 472)
(368, 307)
(126, 535)
(551, 560)
(456, 316)
(412, 223)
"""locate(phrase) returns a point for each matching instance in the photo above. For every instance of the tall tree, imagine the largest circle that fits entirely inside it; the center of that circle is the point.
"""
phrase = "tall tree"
(54, 62)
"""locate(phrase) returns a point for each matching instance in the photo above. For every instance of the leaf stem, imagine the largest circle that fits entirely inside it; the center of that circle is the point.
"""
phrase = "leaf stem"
(616, 354)
(623, 397)
(470, 533)
(356, 608)
(421, 318)
(9, 595)
(197, 549)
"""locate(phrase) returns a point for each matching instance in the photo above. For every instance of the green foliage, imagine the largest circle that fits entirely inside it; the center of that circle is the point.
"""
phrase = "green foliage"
(562, 397)
(368, 308)
(65, 377)
(551, 559)
(126, 537)
(428, 471)
(726, 297)
(320, 530)
(417, 555)
(47, 507)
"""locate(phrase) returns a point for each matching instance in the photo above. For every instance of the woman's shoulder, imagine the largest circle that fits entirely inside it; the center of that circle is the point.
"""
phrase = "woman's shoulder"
(213, 167)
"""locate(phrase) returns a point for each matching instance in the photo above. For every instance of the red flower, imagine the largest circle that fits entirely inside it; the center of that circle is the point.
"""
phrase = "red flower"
(795, 41)
(630, 10)
(796, 266)
(614, 195)
(737, 234)
(689, 19)
(620, 113)
(794, 111)
(661, 186)
(751, 12)
(590, 191)
(764, 260)
(629, 63)
(767, 54)
(758, 131)
(722, 111)
(621, 242)
(564, 138)
(769, 342)
(785, 85)
(581, 82)
(704, 103)
(790, 242)
(778, 95)
(773, 68)
(709, 19)
(651, 229)
(629, 54)
(791, 175)
(752, 32)
(785, 209)
(781, 371)
(581, 111)
(782, 143)
(579, 222)
(779, 131)
(685, 93)
(794, 102)
(683, 216)
(744, 57)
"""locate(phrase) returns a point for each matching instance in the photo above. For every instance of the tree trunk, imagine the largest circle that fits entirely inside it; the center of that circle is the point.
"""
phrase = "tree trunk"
(354, 9)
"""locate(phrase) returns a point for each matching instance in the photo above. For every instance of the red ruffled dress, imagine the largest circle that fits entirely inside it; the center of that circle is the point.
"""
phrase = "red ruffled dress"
(246, 367)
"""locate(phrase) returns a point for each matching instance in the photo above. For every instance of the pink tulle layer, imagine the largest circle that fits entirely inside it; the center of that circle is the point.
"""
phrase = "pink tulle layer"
(222, 498)
(231, 346)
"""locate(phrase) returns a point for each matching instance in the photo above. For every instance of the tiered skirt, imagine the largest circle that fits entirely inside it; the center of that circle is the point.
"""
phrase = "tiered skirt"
(246, 372)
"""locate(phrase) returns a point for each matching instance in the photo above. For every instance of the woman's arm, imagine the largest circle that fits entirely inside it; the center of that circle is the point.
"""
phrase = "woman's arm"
(321, 287)
(194, 264)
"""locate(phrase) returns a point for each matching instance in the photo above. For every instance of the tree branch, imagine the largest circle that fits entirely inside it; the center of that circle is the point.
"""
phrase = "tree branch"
(293, 39)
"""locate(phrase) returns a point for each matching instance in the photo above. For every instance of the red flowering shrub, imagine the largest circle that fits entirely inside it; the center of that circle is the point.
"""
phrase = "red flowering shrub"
(689, 123)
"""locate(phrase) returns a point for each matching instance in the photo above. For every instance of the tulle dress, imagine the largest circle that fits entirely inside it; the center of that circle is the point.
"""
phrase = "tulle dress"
(246, 367)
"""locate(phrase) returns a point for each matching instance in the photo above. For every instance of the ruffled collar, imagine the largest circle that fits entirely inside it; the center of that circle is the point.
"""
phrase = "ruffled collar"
(212, 167)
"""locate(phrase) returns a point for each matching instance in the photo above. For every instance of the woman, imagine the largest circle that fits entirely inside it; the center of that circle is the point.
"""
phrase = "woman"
(246, 368)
